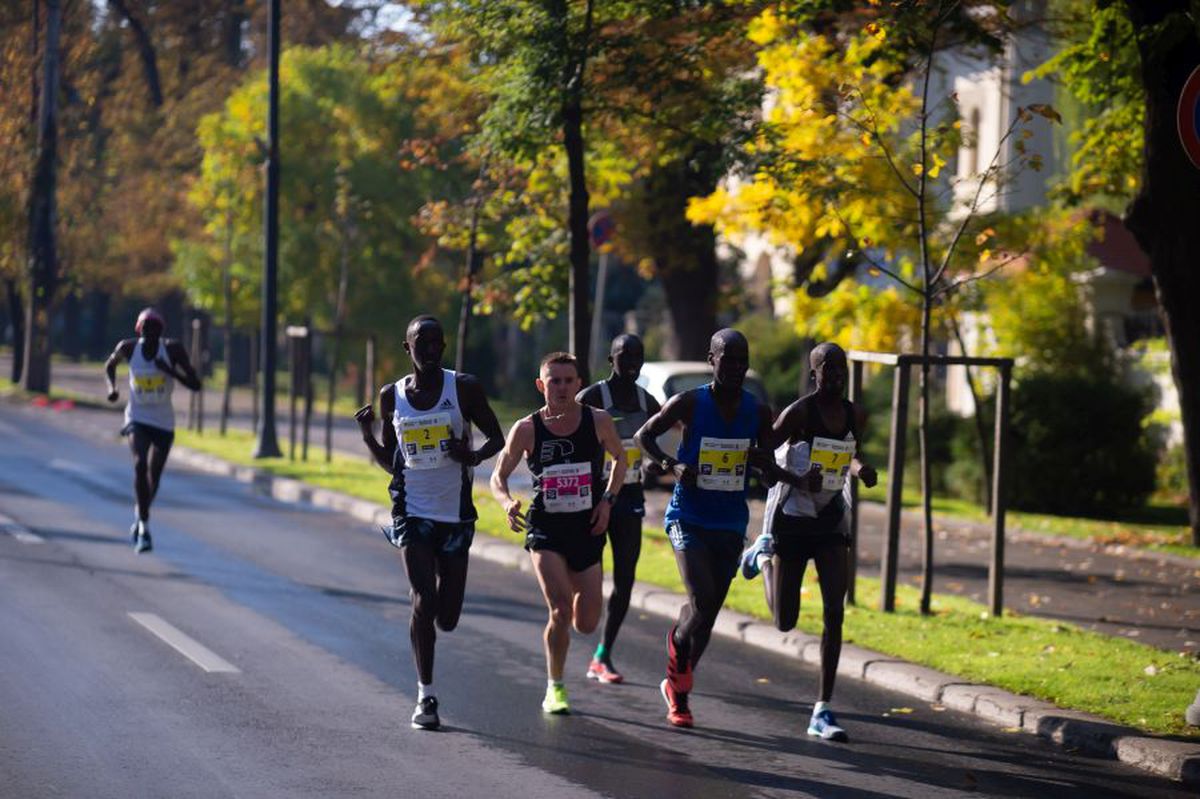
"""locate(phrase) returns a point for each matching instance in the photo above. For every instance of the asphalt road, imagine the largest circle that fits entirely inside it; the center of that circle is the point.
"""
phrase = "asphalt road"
(1151, 600)
(309, 610)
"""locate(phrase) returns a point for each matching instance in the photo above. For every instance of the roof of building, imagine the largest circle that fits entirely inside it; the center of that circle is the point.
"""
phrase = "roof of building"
(1116, 248)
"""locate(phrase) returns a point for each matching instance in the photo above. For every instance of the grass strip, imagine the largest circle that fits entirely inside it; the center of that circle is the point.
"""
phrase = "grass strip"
(1126, 682)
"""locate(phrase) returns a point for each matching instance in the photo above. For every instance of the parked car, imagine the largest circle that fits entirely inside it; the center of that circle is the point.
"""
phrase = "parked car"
(665, 379)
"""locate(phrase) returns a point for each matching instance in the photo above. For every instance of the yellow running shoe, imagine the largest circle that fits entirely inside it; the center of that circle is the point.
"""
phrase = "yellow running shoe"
(556, 700)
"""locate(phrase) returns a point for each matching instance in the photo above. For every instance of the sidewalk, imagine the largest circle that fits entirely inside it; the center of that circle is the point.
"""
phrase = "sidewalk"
(1078, 732)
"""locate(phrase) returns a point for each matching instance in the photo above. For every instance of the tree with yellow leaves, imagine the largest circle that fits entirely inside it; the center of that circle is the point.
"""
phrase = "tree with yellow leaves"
(846, 170)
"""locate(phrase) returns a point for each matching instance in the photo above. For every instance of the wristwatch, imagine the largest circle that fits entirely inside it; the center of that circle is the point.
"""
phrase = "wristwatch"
(668, 464)
(609, 497)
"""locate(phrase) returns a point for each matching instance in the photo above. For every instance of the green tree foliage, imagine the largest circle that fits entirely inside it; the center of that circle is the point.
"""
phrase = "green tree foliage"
(348, 181)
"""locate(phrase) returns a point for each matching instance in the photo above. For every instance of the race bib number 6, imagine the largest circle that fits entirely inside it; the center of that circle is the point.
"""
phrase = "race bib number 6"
(567, 487)
(426, 441)
(833, 457)
(722, 465)
(633, 462)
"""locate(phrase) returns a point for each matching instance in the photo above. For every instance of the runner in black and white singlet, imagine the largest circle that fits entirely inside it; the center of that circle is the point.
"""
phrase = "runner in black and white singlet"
(426, 448)
(155, 363)
(630, 406)
(564, 445)
(816, 441)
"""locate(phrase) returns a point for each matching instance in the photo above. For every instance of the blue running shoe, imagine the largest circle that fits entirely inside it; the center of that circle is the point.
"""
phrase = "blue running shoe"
(763, 545)
(824, 726)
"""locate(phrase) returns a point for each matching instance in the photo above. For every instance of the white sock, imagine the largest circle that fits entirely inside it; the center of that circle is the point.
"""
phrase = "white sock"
(819, 706)
(553, 683)
(424, 690)
(762, 558)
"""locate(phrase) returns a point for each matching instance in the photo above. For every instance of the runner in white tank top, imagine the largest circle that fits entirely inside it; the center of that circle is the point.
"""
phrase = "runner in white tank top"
(155, 363)
(426, 447)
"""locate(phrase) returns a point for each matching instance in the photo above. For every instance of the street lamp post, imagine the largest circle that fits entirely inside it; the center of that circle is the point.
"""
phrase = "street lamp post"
(268, 444)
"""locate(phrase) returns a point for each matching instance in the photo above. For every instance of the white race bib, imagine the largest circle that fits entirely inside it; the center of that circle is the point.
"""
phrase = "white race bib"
(834, 458)
(151, 389)
(426, 441)
(722, 464)
(567, 487)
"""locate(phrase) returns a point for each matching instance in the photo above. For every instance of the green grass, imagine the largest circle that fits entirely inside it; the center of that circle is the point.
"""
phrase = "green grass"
(1055, 661)
(1157, 526)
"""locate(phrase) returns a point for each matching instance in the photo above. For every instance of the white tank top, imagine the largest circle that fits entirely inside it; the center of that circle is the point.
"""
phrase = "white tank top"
(433, 485)
(150, 389)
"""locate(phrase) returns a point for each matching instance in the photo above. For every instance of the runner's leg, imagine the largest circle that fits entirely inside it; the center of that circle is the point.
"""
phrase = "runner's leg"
(139, 445)
(588, 597)
(420, 565)
(555, 580)
(158, 461)
(832, 576)
(625, 535)
(784, 579)
(706, 585)
(451, 588)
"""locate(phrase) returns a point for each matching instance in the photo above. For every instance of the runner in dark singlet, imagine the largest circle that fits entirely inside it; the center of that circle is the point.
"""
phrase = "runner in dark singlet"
(426, 448)
(155, 363)
(564, 445)
(630, 406)
(818, 438)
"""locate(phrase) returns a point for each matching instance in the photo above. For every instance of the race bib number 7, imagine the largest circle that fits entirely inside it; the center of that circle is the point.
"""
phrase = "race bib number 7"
(426, 441)
(834, 458)
(722, 465)
(567, 487)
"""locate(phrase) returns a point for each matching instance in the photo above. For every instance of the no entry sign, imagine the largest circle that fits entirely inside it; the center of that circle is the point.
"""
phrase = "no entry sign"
(1187, 117)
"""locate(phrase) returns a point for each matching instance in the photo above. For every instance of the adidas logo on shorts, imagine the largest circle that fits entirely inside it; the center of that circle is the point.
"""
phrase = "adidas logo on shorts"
(446, 403)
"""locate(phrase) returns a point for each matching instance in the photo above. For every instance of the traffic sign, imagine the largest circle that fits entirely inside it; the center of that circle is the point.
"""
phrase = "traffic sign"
(601, 226)
(1187, 117)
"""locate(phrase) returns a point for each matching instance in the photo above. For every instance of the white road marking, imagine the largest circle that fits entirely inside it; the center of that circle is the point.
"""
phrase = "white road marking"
(184, 644)
(61, 465)
(18, 531)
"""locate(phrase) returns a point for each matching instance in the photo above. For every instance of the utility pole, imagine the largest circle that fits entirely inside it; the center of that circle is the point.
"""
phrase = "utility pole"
(268, 444)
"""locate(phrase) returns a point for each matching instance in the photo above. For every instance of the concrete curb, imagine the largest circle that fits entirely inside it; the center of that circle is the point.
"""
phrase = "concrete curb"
(1079, 732)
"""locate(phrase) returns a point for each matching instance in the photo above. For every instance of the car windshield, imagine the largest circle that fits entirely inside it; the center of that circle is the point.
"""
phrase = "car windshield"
(685, 382)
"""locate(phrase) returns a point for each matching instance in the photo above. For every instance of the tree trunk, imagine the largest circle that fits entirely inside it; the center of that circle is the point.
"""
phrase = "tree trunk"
(43, 213)
(16, 312)
(685, 255)
(926, 471)
(1162, 216)
(97, 335)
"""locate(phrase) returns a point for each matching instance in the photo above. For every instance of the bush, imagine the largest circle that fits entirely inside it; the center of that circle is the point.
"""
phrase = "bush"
(777, 353)
(1172, 480)
(1079, 446)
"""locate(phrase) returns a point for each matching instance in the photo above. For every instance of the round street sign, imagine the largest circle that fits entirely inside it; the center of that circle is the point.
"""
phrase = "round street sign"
(601, 226)
(1187, 117)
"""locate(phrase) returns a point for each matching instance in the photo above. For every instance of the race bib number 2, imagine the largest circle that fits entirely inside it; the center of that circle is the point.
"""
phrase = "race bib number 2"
(567, 487)
(834, 458)
(722, 464)
(426, 441)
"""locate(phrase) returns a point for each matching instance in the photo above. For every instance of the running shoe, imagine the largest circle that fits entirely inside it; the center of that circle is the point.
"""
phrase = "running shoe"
(141, 540)
(763, 545)
(133, 531)
(678, 714)
(556, 700)
(600, 671)
(425, 716)
(824, 726)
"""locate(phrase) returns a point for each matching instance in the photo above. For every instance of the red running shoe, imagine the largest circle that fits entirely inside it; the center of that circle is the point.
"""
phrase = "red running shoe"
(678, 714)
(600, 671)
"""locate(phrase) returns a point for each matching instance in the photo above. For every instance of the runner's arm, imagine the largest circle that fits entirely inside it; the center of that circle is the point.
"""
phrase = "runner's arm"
(606, 431)
(385, 453)
(478, 412)
(678, 410)
(519, 442)
(120, 353)
(179, 357)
